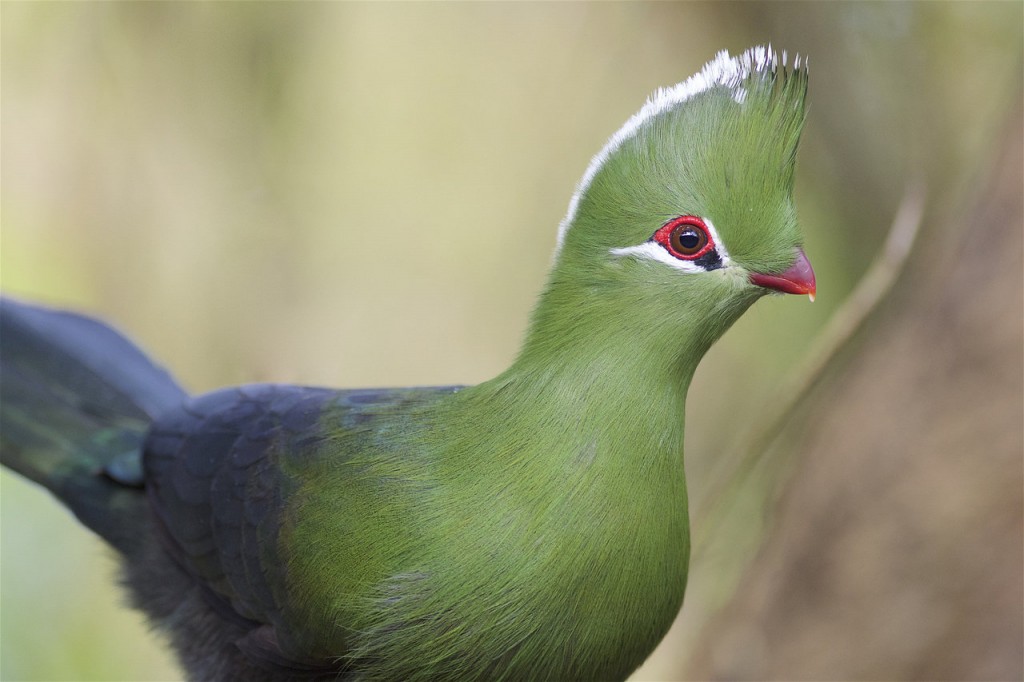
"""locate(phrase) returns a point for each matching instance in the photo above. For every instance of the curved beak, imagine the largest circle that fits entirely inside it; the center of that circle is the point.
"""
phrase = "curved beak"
(798, 279)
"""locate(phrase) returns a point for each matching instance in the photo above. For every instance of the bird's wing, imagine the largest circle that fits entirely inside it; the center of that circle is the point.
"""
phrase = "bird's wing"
(217, 476)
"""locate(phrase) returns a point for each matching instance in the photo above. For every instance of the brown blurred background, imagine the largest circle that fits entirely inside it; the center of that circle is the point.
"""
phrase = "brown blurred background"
(365, 195)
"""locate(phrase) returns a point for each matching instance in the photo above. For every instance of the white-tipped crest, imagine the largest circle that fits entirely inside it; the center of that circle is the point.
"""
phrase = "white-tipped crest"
(723, 70)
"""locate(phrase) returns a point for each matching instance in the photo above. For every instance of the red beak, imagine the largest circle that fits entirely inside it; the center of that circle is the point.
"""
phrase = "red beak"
(798, 279)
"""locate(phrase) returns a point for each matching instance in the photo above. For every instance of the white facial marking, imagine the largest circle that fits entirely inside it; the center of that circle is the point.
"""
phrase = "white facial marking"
(651, 250)
(657, 252)
(723, 70)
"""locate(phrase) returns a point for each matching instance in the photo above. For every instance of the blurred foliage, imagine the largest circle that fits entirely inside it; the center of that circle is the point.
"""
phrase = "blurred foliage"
(367, 194)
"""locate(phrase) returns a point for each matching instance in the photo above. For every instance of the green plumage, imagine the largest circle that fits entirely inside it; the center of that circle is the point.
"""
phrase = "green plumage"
(531, 527)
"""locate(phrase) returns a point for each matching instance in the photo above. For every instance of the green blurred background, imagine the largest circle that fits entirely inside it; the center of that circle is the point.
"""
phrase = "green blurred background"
(368, 194)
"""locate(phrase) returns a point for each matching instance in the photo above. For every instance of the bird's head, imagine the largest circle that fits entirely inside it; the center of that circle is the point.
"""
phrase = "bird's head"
(687, 211)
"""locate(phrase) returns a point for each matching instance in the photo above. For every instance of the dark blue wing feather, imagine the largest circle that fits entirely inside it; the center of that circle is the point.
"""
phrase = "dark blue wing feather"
(216, 475)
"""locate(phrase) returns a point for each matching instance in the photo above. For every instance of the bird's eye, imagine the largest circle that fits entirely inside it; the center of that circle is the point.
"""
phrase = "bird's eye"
(685, 237)
(687, 240)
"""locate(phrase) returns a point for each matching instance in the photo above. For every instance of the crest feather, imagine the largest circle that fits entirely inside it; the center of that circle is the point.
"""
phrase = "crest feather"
(734, 73)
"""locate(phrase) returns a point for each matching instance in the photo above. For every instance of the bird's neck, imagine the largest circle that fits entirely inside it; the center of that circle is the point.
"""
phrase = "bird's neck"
(597, 377)
(617, 347)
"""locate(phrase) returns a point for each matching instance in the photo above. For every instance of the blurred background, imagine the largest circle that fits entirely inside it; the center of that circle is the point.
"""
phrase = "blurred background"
(367, 195)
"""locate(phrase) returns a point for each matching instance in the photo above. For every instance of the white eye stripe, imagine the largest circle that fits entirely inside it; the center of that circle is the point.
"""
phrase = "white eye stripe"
(651, 250)
(657, 252)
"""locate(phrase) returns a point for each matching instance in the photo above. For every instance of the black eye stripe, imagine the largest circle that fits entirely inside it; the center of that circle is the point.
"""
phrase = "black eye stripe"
(709, 261)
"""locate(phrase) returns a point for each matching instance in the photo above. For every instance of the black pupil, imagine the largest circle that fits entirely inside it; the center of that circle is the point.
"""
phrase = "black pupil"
(689, 240)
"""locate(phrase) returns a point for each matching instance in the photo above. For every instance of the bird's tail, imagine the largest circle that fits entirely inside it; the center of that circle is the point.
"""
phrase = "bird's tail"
(76, 399)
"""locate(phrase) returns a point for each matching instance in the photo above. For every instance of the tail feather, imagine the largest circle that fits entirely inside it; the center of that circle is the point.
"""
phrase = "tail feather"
(76, 399)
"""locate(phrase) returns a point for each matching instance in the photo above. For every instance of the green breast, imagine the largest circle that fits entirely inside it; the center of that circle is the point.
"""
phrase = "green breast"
(453, 552)
(529, 581)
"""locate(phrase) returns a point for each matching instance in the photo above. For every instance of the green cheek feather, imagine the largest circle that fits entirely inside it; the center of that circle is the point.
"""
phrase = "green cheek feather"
(531, 527)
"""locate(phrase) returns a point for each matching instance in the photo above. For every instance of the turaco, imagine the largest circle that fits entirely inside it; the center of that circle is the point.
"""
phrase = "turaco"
(531, 527)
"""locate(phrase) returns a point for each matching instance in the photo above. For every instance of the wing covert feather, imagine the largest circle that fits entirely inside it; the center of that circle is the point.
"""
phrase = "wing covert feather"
(218, 481)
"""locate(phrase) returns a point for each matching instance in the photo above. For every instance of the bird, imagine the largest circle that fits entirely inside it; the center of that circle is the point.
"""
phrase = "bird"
(530, 527)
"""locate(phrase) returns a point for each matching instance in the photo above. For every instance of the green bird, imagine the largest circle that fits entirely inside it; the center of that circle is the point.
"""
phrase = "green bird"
(532, 527)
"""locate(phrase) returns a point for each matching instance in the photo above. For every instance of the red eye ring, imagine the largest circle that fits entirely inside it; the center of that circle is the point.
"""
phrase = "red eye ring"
(685, 237)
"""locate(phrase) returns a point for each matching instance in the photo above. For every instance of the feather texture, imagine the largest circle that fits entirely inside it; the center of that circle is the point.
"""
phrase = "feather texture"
(531, 527)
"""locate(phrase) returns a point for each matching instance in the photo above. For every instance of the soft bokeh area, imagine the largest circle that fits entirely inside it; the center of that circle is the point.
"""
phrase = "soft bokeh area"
(368, 194)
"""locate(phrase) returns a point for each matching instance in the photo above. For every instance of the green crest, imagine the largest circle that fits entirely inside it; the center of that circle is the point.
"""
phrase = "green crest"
(721, 145)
